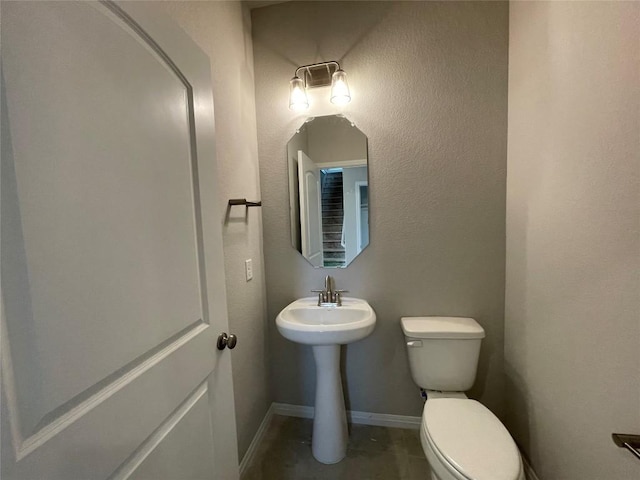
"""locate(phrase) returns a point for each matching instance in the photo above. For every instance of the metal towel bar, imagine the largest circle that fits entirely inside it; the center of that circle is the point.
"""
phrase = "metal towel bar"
(630, 442)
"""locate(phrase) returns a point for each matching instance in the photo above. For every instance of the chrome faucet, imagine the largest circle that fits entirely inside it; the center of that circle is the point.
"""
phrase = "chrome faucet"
(329, 297)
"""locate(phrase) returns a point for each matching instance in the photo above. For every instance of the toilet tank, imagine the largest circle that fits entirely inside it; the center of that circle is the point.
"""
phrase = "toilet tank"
(443, 351)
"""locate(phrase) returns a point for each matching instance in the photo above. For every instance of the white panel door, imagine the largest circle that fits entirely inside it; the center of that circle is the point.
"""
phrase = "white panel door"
(310, 209)
(112, 280)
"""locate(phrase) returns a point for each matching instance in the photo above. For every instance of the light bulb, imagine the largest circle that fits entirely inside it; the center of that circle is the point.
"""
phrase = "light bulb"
(340, 94)
(297, 95)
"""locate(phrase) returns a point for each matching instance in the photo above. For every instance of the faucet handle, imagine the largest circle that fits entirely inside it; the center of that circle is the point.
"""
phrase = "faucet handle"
(337, 296)
(322, 296)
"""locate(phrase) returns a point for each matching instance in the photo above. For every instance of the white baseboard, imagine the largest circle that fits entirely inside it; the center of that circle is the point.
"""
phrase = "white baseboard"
(384, 420)
(289, 410)
(359, 418)
(257, 440)
(528, 471)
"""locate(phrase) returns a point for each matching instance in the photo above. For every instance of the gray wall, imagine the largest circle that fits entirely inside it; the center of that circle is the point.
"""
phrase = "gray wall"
(429, 89)
(573, 228)
(223, 31)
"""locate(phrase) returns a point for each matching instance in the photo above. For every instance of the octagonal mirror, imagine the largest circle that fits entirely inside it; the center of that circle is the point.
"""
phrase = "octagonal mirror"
(328, 191)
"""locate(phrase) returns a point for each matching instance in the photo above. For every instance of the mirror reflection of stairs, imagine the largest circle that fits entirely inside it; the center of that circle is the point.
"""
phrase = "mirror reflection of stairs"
(332, 219)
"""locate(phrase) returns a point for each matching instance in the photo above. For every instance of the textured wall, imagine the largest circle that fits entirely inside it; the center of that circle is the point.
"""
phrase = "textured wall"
(429, 89)
(573, 229)
(223, 31)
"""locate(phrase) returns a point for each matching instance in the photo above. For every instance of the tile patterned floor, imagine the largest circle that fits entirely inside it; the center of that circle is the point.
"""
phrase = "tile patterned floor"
(373, 453)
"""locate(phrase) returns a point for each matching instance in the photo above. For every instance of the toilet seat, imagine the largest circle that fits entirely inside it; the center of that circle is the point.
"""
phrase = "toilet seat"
(469, 440)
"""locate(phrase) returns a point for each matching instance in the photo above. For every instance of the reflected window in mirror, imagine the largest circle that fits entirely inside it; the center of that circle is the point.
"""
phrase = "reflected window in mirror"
(328, 191)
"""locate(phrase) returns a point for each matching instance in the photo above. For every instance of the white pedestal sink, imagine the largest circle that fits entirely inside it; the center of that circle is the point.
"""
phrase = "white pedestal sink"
(325, 329)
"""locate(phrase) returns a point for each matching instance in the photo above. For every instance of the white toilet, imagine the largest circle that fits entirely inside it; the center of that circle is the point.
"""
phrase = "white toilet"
(461, 438)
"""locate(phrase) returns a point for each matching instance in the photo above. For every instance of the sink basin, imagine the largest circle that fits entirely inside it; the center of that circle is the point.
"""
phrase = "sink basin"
(325, 329)
(303, 321)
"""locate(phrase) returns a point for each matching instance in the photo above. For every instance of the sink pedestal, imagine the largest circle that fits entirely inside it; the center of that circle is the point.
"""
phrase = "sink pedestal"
(325, 329)
(329, 442)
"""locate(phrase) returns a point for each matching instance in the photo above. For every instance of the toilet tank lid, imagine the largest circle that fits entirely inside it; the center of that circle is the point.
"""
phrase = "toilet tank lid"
(441, 327)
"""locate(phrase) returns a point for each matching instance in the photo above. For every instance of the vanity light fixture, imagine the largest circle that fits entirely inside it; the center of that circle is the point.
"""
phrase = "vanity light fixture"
(318, 75)
(340, 94)
(297, 95)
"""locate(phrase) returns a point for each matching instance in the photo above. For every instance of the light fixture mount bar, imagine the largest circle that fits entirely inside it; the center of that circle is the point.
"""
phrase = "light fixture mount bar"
(317, 74)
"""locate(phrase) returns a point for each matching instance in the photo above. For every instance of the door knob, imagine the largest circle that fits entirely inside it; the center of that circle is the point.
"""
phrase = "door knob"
(225, 340)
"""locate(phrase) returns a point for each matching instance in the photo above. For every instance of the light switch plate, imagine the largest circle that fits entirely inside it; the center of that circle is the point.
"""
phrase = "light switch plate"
(248, 269)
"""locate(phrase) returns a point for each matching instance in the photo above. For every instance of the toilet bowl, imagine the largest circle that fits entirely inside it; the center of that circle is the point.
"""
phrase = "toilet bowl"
(461, 438)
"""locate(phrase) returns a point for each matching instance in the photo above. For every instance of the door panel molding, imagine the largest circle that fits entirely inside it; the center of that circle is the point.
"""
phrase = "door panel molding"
(167, 378)
(135, 26)
(120, 377)
(130, 465)
(58, 420)
(26, 384)
(55, 422)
